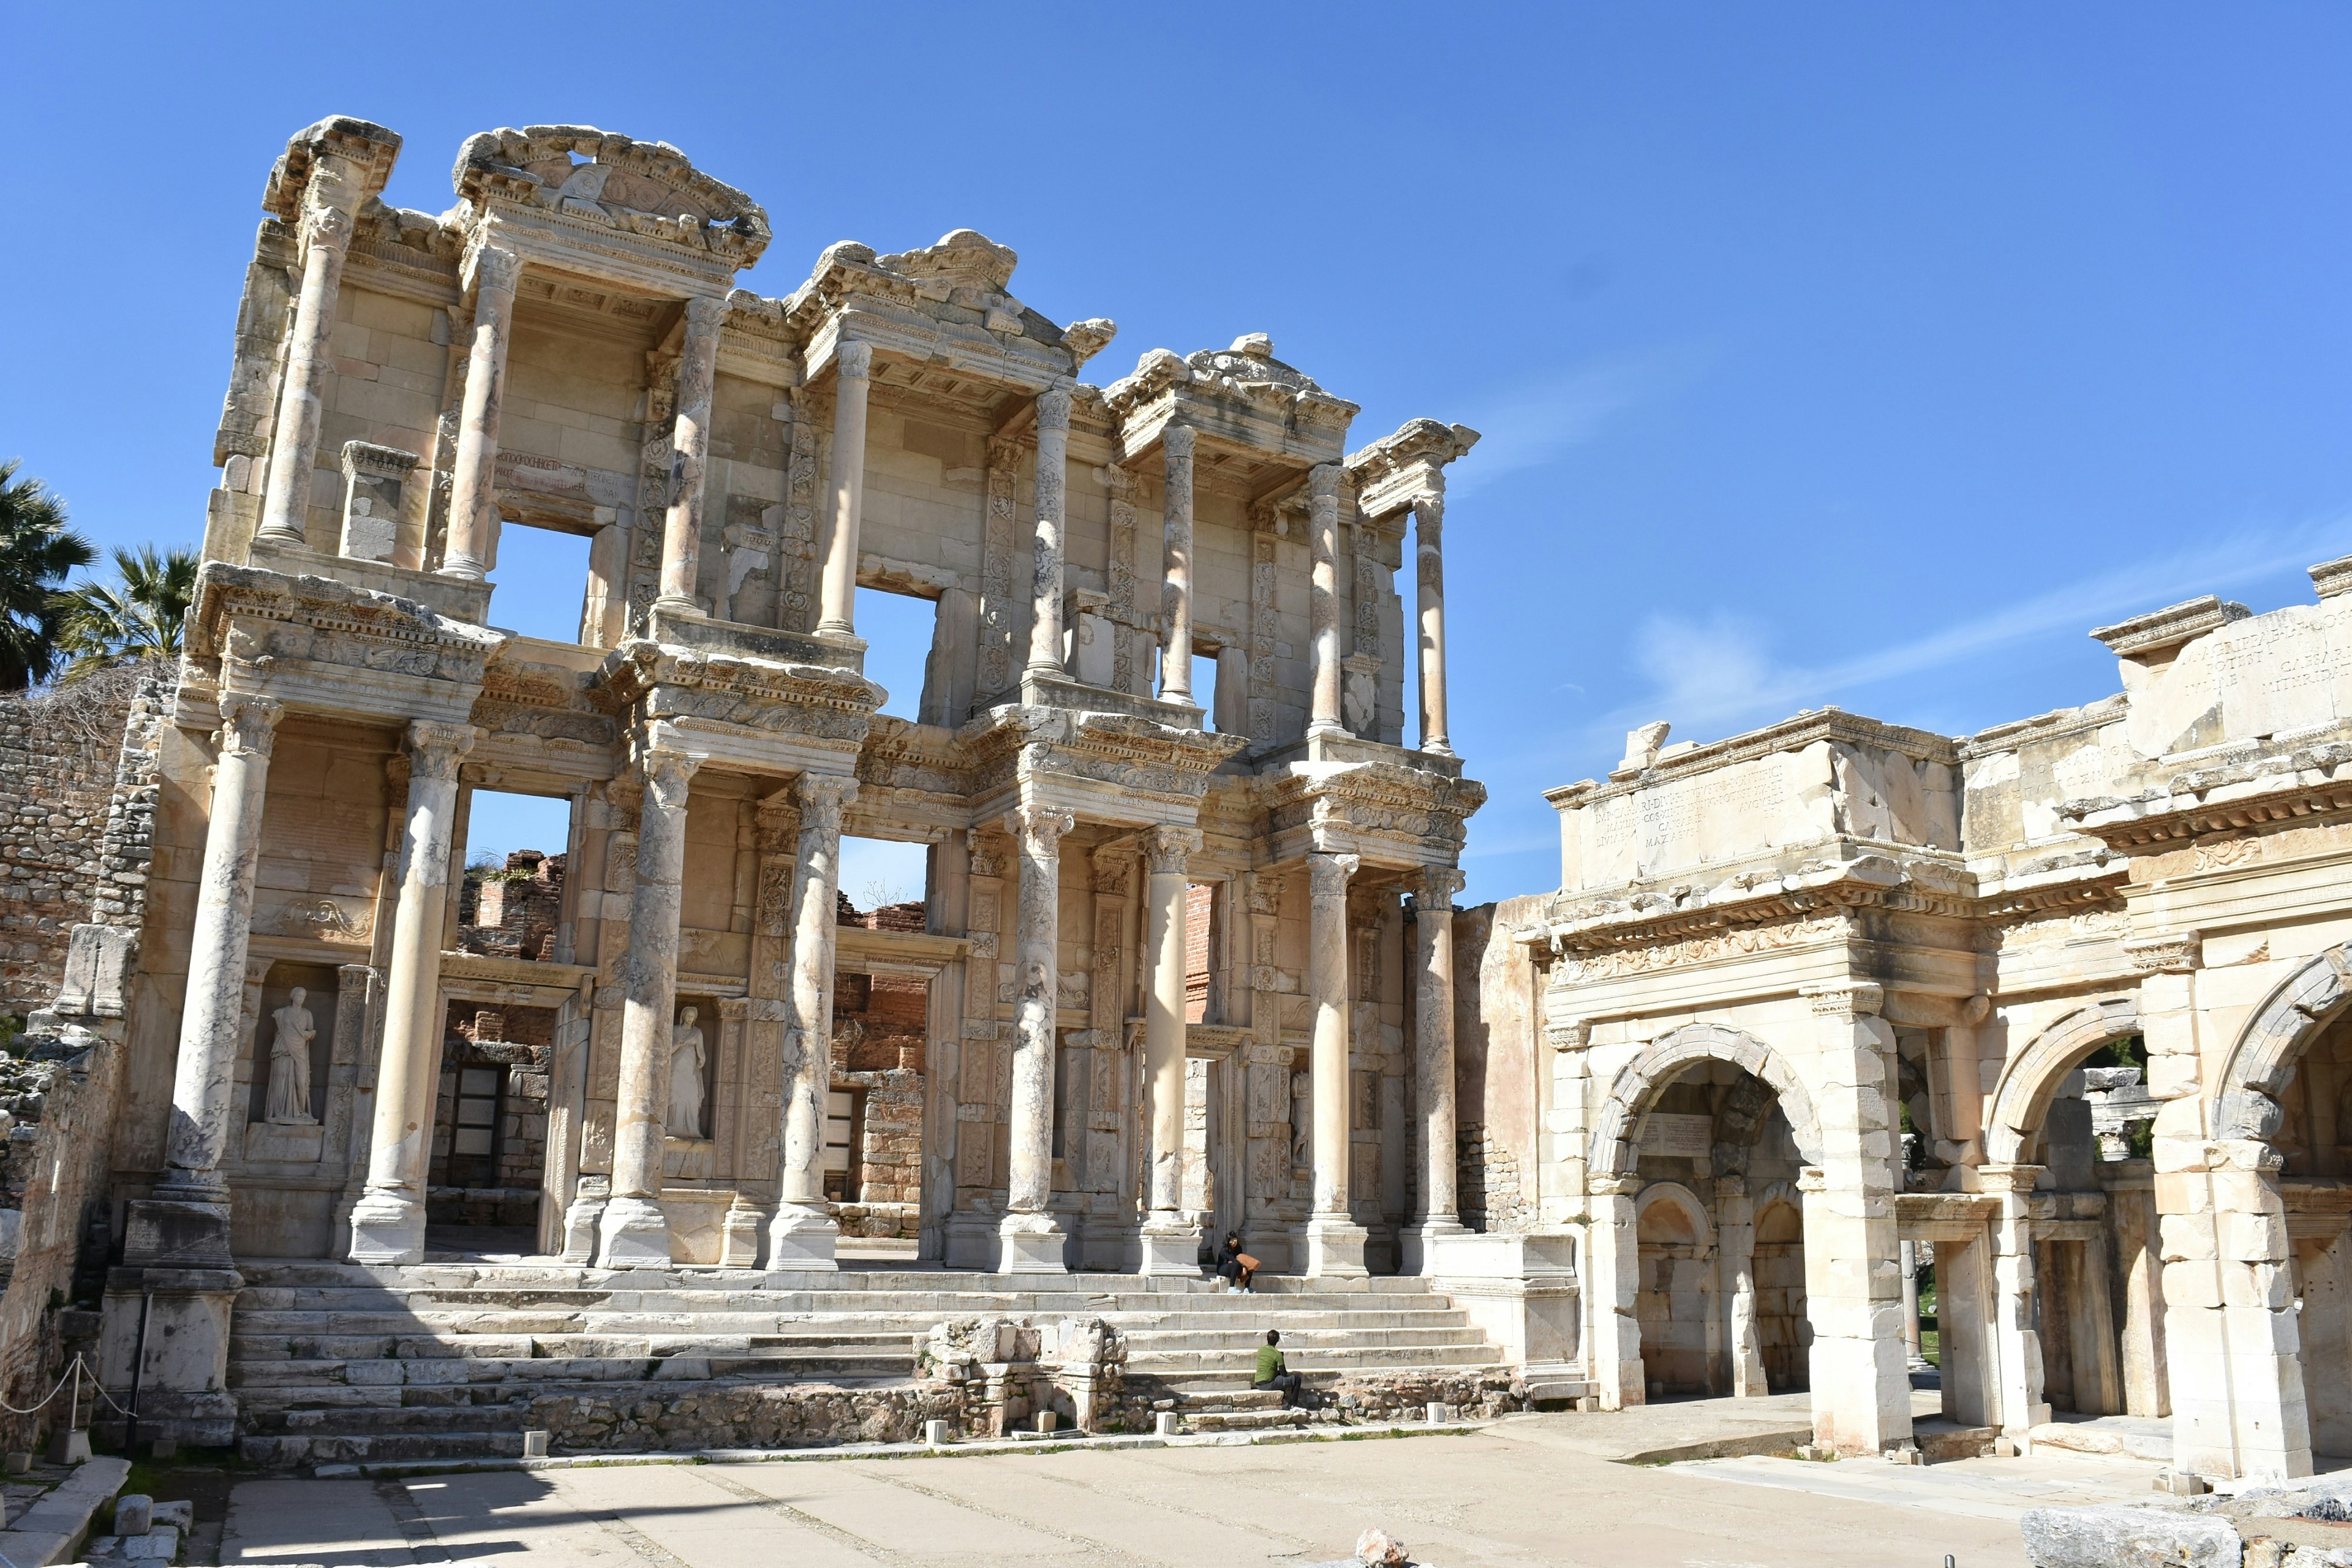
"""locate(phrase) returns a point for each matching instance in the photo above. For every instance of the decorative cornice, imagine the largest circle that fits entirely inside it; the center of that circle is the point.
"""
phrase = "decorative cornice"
(646, 189)
(2145, 636)
(696, 688)
(1834, 724)
(2170, 952)
(2308, 784)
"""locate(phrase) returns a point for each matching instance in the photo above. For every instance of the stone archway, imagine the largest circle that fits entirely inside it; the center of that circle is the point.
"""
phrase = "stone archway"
(2022, 1099)
(1639, 1082)
(1676, 1299)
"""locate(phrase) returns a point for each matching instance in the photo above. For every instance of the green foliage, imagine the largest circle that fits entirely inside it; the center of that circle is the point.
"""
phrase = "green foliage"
(37, 552)
(142, 615)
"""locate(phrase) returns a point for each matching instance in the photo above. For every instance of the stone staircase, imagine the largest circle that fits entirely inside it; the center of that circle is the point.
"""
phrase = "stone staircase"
(334, 1362)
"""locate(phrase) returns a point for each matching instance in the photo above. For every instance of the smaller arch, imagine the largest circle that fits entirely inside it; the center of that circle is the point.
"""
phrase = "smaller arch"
(2029, 1082)
(1702, 1229)
(1611, 1152)
(2263, 1061)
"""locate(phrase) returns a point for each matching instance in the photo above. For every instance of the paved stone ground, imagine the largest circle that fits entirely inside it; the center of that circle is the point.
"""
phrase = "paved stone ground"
(1531, 1492)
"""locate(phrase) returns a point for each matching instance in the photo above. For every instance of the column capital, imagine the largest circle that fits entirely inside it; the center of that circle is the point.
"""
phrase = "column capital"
(248, 723)
(489, 266)
(853, 361)
(2167, 952)
(1165, 850)
(435, 747)
(1039, 828)
(1813, 1179)
(1053, 408)
(1323, 481)
(822, 797)
(1437, 886)
(704, 315)
(330, 226)
(1176, 443)
(1328, 875)
(1845, 998)
(1568, 1034)
(1428, 514)
(2008, 1178)
(667, 774)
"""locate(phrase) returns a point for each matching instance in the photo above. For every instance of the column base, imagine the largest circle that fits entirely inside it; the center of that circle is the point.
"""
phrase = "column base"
(670, 605)
(1334, 1248)
(168, 1232)
(387, 1227)
(802, 1237)
(582, 1219)
(167, 1331)
(1029, 1244)
(1419, 1243)
(1170, 1246)
(633, 1234)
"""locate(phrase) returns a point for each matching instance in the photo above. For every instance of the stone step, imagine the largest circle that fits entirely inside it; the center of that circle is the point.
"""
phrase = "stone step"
(1245, 1420)
(1418, 1359)
(288, 1450)
(1230, 1399)
(594, 1308)
(783, 1364)
(1341, 1336)
(312, 1272)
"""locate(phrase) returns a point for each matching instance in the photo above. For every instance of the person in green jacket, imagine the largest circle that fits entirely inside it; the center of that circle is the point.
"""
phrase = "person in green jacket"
(1273, 1371)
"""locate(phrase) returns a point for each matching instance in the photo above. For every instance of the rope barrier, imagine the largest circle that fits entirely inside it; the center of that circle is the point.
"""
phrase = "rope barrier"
(72, 1373)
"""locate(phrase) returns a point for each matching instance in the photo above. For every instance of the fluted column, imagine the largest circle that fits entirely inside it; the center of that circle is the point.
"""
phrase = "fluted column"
(634, 1232)
(853, 365)
(473, 482)
(294, 437)
(1176, 653)
(1170, 1246)
(1428, 528)
(802, 1235)
(1053, 520)
(697, 370)
(1323, 598)
(1031, 1243)
(1432, 1054)
(388, 1221)
(186, 1219)
(1335, 1242)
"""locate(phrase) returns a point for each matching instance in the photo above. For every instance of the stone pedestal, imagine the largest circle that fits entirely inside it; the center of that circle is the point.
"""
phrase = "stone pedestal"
(170, 1326)
(1169, 1246)
(1030, 1244)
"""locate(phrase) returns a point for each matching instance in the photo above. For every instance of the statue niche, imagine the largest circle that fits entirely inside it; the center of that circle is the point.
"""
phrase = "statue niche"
(689, 1079)
(284, 1126)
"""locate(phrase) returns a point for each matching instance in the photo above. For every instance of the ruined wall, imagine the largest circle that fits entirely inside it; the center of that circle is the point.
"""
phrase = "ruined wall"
(58, 757)
(1496, 1055)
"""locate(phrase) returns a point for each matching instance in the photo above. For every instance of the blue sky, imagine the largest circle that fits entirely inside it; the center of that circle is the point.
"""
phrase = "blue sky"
(1854, 354)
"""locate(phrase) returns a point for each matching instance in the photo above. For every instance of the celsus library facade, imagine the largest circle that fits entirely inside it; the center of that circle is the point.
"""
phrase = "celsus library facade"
(329, 1112)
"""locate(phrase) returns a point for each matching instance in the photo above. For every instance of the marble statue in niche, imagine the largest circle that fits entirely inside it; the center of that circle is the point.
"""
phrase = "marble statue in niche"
(688, 1078)
(288, 1104)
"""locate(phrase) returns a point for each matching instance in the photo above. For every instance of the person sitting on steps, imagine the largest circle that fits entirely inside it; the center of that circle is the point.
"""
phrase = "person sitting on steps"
(1237, 1267)
(1274, 1370)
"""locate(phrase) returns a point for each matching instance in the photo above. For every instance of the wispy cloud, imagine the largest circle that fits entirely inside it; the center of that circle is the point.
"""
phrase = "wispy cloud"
(1530, 425)
(1717, 675)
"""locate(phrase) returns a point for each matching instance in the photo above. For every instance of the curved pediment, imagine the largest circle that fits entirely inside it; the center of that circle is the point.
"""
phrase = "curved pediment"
(646, 187)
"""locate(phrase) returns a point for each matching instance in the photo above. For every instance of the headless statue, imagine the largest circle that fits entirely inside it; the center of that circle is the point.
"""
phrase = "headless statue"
(687, 1078)
(289, 1064)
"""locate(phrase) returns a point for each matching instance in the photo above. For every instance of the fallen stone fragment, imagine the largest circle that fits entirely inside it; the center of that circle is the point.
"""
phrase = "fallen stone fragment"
(2119, 1537)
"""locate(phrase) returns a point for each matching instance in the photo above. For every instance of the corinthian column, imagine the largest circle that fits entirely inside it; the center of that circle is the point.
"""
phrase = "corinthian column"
(1432, 1055)
(1176, 654)
(853, 365)
(634, 1232)
(1335, 1242)
(388, 1221)
(1170, 1246)
(698, 368)
(185, 1222)
(1428, 525)
(294, 437)
(1031, 1243)
(1053, 502)
(473, 482)
(803, 1234)
(1323, 598)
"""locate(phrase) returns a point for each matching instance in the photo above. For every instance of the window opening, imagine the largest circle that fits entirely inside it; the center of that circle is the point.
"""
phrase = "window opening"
(541, 581)
(896, 629)
(510, 901)
(845, 1116)
(884, 883)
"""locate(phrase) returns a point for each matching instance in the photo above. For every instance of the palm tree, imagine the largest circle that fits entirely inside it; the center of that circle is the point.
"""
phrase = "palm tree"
(37, 551)
(142, 616)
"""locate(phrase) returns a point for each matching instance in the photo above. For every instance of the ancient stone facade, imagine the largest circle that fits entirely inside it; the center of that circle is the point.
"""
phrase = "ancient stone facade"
(564, 349)
(2066, 999)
